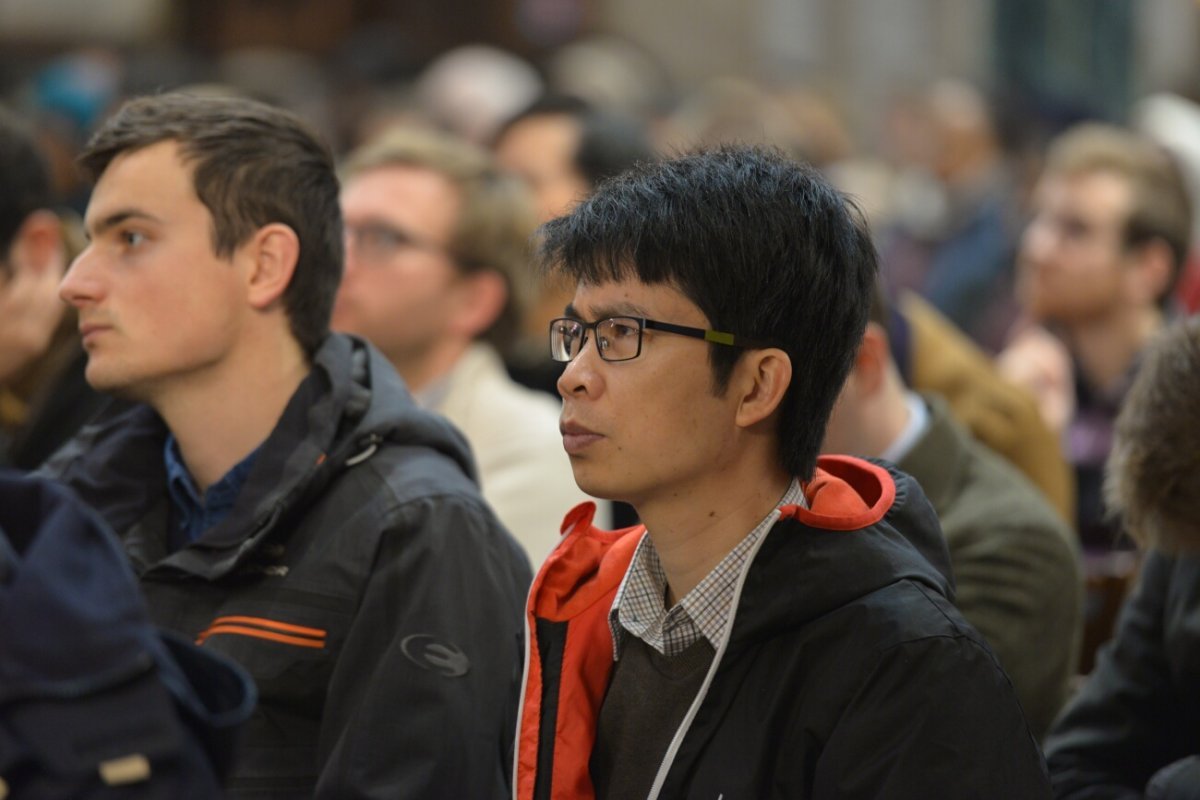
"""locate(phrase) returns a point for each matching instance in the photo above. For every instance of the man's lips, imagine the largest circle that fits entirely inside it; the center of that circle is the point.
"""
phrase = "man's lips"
(576, 437)
(88, 331)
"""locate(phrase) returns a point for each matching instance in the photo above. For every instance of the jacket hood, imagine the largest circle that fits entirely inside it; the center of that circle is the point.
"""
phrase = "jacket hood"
(56, 560)
(75, 638)
(63, 572)
(351, 402)
(867, 526)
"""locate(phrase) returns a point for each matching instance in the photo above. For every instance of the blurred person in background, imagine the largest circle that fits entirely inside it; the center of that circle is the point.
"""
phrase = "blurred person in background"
(281, 498)
(1133, 730)
(1097, 269)
(470, 90)
(1016, 569)
(437, 260)
(954, 225)
(563, 148)
(611, 73)
(44, 398)
(1097, 266)
(1174, 121)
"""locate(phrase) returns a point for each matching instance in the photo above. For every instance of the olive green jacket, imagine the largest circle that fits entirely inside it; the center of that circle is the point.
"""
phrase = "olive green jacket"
(1015, 561)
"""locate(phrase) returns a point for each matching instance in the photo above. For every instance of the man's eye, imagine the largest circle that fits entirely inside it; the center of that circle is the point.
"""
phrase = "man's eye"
(381, 239)
(1075, 229)
(132, 238)
(375, 237)
(619, 331)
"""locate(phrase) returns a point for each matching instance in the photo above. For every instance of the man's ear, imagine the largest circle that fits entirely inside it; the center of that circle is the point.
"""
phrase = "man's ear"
(1153, 270)
(479, 301)
(872, 359)
(762, 378)
(38, 244)
(273, 252)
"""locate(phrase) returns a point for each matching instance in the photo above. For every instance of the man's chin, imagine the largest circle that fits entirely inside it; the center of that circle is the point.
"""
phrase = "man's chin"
(106, 383)
(600, 489)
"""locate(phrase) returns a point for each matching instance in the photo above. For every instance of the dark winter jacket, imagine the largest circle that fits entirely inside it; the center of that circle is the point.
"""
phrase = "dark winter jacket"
(846, 671)
(1134, 727)
(360, 579)
(93, 702)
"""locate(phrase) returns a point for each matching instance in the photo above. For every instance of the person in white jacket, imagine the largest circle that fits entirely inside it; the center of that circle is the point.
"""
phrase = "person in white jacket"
(437, 254)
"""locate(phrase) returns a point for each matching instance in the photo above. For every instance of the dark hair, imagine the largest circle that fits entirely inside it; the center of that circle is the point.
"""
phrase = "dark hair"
(24, 180)
(1152, 480)
(254, 165)
(765, 247)
(609, 143)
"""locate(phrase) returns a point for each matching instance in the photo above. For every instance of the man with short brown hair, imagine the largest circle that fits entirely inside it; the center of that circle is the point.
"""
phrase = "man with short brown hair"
(279, 495)
(1097, 266)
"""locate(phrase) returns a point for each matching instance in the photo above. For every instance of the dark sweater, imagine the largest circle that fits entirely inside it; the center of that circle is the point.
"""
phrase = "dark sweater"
(646, 701)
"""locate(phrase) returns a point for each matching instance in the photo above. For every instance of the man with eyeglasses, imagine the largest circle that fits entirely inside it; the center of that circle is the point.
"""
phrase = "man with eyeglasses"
(780, 626)
(437, 262)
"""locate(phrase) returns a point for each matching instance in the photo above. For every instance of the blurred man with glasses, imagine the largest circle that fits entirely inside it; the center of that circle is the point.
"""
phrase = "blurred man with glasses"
(780, 626)
(437, 263)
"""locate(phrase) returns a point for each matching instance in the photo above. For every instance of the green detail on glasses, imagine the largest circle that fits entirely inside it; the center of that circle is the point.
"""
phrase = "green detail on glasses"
(716, 337)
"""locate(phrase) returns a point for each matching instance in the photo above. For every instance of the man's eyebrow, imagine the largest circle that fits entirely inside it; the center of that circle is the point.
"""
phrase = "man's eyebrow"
(117, 218)
(604, 312)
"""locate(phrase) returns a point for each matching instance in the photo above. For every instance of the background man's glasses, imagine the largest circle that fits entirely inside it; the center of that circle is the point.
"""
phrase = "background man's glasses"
(620, 338)
(378, 243)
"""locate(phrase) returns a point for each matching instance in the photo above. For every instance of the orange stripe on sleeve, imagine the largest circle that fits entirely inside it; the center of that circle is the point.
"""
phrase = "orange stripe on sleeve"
(215, 630)
(268, 623)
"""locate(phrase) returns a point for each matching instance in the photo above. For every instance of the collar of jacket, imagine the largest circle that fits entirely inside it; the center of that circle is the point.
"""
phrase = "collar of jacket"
(350, 404)
(939, 457)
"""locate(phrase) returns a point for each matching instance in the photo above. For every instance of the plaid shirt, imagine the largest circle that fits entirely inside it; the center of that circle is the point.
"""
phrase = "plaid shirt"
(640, 605)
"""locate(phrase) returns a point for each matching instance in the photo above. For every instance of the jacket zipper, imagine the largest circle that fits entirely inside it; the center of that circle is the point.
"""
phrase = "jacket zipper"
(677, 740)
(524, 686)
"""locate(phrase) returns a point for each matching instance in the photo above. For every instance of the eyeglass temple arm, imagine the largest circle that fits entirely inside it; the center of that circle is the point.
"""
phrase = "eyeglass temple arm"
(716, 337)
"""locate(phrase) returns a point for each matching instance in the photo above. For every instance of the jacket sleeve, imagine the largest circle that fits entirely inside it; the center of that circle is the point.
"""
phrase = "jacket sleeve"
(1127, 721)
(935, 717)
(423, 700)
(1020, 586)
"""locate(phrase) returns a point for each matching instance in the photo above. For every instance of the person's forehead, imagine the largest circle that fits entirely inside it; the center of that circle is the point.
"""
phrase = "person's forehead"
(544, 139)
(145, 180)
(399, 177)
(561, 127)
(407, 190)
(631, 297)
(1095, 194)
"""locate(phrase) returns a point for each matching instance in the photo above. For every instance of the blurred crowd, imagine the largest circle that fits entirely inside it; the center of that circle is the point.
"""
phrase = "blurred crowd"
(1028, 262)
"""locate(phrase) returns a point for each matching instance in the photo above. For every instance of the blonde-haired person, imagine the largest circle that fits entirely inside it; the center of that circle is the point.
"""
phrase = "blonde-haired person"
(437, 270)
(1134, 728)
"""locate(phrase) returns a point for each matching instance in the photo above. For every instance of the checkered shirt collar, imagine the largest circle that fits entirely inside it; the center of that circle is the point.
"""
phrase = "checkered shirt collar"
(639, 607)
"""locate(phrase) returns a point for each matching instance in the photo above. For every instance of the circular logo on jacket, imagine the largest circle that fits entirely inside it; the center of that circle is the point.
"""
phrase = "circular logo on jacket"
(427, 652)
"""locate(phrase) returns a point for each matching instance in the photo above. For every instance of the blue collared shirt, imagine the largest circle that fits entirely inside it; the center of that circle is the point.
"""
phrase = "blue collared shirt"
(195, 514)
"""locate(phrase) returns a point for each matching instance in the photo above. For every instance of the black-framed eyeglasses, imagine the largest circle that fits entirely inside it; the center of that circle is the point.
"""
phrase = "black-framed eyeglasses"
(620, 338)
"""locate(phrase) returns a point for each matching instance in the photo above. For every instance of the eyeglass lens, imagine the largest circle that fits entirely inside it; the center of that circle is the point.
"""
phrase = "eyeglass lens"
(617, 339)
